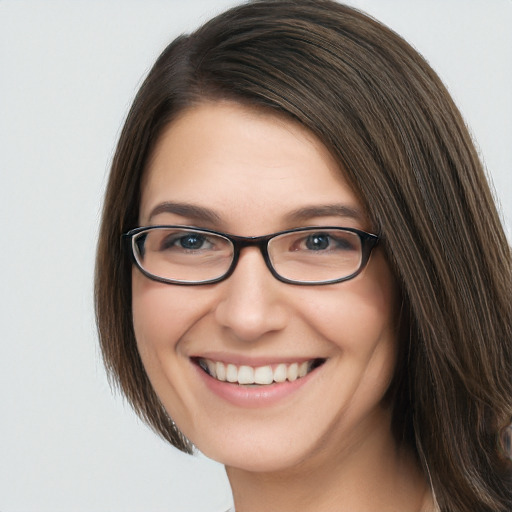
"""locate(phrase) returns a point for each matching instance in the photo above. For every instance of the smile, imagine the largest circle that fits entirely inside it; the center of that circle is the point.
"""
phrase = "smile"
(258, 375)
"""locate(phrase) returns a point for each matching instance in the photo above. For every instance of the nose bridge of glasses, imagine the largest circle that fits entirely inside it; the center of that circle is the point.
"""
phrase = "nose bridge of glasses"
(243, 242)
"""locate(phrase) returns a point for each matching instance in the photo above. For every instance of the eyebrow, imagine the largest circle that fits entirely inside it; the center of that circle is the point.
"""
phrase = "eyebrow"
(190, 211)
(330, 210)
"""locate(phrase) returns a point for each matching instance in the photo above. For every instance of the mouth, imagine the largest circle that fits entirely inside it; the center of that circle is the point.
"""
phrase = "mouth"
(244, 375)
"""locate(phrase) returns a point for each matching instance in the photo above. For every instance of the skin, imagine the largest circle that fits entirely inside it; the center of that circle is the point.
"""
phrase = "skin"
(327, 445)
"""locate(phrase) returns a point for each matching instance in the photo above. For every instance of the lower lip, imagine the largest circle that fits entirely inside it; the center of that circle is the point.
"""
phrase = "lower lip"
(253, 397)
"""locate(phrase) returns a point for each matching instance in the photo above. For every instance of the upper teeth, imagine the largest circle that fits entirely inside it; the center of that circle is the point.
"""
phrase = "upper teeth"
(255, 375)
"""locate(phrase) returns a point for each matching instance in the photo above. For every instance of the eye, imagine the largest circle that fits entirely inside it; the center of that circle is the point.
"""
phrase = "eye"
(318, 241)
(188, 242)
(331, 241)
(323, 242)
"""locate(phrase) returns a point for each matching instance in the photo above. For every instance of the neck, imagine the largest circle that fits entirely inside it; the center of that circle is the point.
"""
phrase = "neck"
(375, 475)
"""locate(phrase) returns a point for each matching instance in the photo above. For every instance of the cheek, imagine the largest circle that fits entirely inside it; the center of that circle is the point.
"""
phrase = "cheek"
(358, 315)
(360, 320)
(161, 315)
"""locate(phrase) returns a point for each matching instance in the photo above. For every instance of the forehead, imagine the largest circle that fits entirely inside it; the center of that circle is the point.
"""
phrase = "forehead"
(242, 162)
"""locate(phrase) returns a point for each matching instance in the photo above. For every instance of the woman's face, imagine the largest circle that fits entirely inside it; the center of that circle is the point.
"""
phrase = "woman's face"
(233, 169)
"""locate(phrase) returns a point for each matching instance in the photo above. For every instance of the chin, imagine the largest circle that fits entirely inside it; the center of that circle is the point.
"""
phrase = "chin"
(269, 447)
(259, 461)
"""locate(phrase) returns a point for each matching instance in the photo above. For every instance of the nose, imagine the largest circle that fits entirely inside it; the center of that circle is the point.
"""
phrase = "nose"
(251, 304)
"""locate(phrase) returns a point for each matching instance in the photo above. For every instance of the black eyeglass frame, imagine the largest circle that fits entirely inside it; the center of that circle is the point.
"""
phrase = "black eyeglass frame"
(368, 243)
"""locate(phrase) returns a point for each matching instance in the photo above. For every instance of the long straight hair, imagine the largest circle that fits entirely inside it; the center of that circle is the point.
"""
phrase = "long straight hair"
(388, 120)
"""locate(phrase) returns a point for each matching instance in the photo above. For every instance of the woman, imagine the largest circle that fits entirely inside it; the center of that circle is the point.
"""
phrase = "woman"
(301, 271)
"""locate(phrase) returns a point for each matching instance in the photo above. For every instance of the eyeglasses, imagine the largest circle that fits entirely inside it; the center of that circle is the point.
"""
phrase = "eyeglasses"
(305, 256)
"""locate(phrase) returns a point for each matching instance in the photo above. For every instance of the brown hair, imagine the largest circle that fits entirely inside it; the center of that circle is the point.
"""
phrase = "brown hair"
(390, 123)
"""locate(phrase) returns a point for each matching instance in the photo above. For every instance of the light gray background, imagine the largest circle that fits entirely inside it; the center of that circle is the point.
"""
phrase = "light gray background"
(68, 72)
